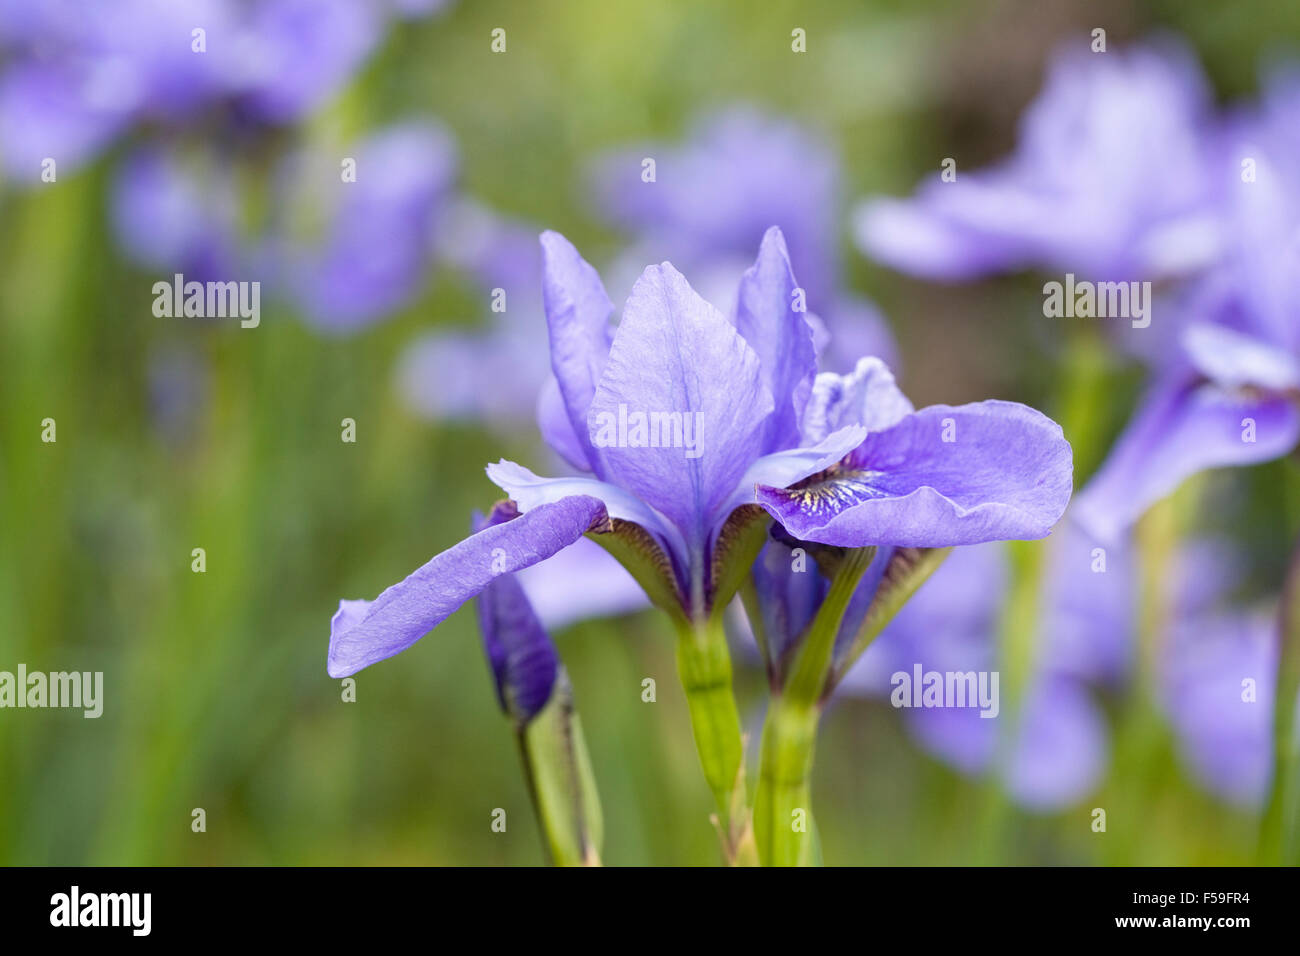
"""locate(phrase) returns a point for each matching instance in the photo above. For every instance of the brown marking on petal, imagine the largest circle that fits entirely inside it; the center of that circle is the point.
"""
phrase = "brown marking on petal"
(638, 551)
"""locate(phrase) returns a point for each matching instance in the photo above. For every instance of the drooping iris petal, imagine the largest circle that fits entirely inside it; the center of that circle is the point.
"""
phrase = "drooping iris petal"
(577, 317)
(1181, 428)
(364, 632)
(867, 396)
(530, 491)
(958, 736)
(780, 336)
(1218, 683)
(941, 476)
(1060, 751)
(921, 237)
(949, 625)
(523, 658)
(676, 355)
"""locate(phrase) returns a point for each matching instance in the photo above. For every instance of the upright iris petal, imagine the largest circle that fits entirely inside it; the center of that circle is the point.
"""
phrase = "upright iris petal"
(676, 359)
(577, 317)
(767, 319)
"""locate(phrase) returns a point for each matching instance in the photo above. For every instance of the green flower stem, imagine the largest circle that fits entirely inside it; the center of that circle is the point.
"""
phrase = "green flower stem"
(561, 782)
(783, 825)
(704, 664)
(1280, 833)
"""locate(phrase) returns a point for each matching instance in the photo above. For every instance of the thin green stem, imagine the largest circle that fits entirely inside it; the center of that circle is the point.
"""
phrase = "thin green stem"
(783, 824)
(704, 664)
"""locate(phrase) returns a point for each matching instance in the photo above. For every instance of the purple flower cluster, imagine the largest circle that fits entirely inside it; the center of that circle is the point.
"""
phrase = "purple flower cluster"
(1125, 171)
(202, 90)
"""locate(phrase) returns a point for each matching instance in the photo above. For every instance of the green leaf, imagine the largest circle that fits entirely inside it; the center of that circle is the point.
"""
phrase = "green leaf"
(908, 569)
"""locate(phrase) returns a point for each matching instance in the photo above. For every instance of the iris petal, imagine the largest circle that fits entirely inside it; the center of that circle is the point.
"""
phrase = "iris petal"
(942, 476)
(365, 632)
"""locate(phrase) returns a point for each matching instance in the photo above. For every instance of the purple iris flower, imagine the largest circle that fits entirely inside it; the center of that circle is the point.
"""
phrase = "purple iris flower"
(739, 171)
(1112, 178)
(1228, 396)
(836, 459)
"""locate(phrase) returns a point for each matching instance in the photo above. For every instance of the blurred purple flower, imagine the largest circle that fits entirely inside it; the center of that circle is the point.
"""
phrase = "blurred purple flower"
(1218, 682)
(739, 172)
(1112, 178)
(83, 73)
(950, 624)
(442, 374)
(1229, 395)
(292, 55)
(1217, 674)
(1052, 752)
(176, 211)
(1059, 752)
(377, 241)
